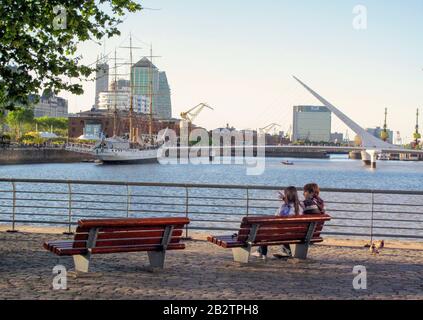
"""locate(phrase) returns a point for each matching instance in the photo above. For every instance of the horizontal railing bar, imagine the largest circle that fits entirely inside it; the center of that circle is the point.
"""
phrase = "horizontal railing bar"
(397, 204)
(39, 222)
(40, 192)
(374, 235)
(214, 221)
(398, 220)
(213, 229)
(155, 211)
(397, 228)
(201, 186)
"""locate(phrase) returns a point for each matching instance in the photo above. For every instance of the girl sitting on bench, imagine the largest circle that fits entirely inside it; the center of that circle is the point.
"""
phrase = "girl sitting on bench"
(290, 207)
(312, 203)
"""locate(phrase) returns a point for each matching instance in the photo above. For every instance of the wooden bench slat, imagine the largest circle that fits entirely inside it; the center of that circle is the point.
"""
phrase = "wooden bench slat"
(249, 221)
(81, 230)
(276, 237)
(228, 244)
(277, 230)
(132, 223)
(129, 235)
(106, 250)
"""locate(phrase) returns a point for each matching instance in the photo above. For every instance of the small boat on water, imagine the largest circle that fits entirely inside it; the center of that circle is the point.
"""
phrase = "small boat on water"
(288, 163)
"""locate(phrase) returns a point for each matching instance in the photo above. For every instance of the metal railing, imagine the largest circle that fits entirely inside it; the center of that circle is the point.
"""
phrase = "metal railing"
(365, 214)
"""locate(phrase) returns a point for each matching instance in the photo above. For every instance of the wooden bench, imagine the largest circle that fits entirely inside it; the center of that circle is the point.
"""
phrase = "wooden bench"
(154, 236)
(299, 231)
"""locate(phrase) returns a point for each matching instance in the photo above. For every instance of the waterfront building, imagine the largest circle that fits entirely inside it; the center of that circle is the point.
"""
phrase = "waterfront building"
(148, 81)
(376, 132)
(50, 105)
(101, 81)
(312, 123)
(98, 122)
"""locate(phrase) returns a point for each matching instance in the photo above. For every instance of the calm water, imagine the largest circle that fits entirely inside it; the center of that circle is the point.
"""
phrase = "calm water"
(352, 212)
(338, 172)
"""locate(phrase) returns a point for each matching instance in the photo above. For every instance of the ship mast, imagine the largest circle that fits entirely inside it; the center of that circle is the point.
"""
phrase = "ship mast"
(115, 100)
(131, 103)
(150, 120)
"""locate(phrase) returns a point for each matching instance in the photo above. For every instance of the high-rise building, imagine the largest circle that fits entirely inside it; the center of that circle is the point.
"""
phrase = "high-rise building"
(163, 100)
(149, 82)
(376, 132)
(120, 98)
(101, 81)
(312, 123)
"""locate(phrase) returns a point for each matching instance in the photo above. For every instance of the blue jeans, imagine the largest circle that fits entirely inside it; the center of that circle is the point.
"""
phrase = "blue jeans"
(263, 249)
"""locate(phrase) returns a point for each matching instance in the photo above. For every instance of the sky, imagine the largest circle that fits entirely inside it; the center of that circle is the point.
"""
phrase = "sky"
(239, 57)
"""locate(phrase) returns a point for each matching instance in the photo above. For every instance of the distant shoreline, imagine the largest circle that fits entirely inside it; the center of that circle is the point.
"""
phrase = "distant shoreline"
(38, 156)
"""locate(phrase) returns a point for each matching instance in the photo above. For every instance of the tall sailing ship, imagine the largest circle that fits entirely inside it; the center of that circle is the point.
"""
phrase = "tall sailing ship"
(131, 149)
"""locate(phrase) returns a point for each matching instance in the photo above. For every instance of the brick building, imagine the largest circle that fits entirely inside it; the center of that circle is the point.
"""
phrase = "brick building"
(93, 123)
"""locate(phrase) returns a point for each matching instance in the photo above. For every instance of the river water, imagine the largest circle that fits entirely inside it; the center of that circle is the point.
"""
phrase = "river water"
(337, 172)
(352, 211)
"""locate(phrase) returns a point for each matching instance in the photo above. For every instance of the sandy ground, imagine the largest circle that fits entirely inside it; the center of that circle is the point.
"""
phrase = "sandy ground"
(206, 271)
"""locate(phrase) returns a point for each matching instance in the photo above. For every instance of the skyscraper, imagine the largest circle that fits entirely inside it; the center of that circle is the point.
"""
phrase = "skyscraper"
(148, 81)
(312, 123)
(101, 81)
(163, 100)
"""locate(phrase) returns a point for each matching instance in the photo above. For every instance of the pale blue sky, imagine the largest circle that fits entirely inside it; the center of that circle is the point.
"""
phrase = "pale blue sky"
(239, 55)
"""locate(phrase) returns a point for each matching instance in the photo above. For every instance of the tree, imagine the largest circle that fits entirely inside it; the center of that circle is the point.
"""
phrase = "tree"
(59, 125)
(19, 117)
(38, 43)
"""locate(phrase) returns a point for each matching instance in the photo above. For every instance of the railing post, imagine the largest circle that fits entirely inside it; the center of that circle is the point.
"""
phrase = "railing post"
(371, 223)
(128, 200)
(186, 210)
(69, 232)
(248, 202)
(13, 230)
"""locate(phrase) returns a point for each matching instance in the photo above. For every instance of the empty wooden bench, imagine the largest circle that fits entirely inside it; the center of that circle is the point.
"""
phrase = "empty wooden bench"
(154, 236)
(299, 231)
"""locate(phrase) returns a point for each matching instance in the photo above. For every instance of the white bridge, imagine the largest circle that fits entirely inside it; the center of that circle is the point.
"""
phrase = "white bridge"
(371, 146)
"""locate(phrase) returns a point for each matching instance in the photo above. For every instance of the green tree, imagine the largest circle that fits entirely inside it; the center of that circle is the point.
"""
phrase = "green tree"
(16, 119)
(39, 39)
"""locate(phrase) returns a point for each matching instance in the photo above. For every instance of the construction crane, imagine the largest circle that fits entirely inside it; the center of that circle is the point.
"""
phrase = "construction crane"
(384, 135)
(417, 135)
(268, 128)
(193, 113)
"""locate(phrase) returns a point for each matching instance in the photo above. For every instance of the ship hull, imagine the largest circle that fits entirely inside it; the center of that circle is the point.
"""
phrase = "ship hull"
(127, 157)
(132, 161)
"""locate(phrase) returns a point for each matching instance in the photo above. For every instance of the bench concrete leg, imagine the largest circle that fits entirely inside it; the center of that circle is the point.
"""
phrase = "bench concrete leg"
(157, 259)
(82, 263)
(299, 251)
(241, 255)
